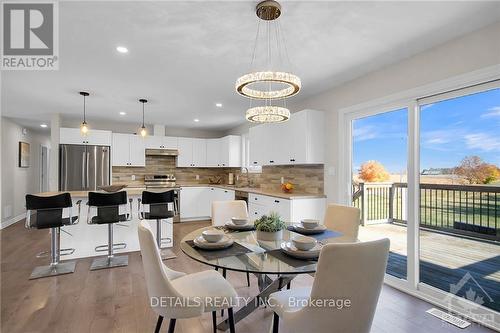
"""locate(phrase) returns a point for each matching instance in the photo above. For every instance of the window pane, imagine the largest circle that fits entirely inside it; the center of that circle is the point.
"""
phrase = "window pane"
(460, 197)
(379, 182)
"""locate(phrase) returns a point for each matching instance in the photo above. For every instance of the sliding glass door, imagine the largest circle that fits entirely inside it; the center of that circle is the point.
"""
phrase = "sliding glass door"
(425, 173)
(460, 196)
(379, 160)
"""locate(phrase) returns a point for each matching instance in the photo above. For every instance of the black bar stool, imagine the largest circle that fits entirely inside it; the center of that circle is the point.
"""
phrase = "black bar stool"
(109, 208)
(48, 214)
(156, 206)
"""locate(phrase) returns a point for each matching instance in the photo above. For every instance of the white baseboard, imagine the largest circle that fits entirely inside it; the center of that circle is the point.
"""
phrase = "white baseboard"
(13, 220)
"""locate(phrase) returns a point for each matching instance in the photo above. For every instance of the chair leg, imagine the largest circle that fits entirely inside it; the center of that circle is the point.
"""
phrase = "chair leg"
(224, 276)
(214, 320)
(276, 323)
(171, 327)
(248, 279)
(231, 320)
(158, 324)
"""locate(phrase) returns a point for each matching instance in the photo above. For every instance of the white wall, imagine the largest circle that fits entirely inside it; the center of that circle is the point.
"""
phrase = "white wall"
(468, 53)
(16, 181)
(122, 127)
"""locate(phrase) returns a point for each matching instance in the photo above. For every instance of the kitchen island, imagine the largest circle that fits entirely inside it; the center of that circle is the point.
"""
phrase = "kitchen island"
(84, 237)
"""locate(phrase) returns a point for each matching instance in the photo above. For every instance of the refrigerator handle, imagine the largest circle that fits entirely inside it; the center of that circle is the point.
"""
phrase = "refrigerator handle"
(88, 181)
(83, 170)
(63, 182)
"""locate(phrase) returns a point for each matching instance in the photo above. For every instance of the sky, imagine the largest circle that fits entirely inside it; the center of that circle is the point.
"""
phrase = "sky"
(449, 131)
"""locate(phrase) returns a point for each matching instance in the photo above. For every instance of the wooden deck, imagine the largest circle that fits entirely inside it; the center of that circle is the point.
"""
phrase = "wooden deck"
(445, 260)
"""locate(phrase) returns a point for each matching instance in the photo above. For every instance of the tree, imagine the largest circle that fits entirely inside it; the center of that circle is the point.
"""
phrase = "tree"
(373, 171)
(475, 171)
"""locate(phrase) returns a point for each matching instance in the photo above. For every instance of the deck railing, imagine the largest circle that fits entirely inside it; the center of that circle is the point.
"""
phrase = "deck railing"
(472, 210)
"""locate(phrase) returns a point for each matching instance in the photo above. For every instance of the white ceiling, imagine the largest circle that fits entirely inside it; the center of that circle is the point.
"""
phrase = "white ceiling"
(185, 56)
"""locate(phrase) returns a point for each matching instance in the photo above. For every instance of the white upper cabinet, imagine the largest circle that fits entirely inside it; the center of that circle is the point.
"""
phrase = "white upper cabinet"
(259, 148)
(192, 152)
(214, 152)
(199, 152)
(170, 142)
(185, 157)
(300, 140)
(72, 136)
(161, 142)
(224, 152)
(137, 151)
(128, 150)
(230, 151)
(154, 142)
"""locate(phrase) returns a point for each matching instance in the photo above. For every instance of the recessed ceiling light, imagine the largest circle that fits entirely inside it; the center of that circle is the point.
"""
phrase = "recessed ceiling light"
(122, 49)
(219, 105)
(43, 125)
(196, 120)
(122, 113)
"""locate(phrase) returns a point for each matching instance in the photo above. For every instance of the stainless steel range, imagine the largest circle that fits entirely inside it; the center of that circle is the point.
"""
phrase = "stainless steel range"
(158, 182)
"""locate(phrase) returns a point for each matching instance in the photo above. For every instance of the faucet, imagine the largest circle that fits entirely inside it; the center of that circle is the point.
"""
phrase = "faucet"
(246, 173)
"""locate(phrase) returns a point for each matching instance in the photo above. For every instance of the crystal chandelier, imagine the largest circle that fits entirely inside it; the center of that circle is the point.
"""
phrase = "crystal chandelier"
(270, 87)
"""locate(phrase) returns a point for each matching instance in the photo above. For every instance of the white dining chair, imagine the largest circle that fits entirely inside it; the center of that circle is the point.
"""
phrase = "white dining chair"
(223, 211)
(344, 219)
(176, 295)
(346, 273)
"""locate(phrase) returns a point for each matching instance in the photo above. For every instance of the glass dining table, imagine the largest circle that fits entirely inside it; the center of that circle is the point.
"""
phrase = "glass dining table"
(273, 268)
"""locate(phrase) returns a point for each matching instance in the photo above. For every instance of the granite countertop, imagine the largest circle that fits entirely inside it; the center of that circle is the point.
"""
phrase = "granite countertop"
(135, 190)
(256, 190)
(129, 190)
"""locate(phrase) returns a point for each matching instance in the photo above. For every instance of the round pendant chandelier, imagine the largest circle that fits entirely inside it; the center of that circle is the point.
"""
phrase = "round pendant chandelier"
(269, 86)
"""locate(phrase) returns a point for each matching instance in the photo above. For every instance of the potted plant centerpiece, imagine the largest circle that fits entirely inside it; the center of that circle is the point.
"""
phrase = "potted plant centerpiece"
(270, 228)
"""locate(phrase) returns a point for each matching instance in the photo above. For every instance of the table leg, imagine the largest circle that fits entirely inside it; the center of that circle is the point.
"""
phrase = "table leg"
(267, 289)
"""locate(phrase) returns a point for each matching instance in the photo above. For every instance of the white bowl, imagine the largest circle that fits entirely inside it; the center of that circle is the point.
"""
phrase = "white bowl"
(304, 243)
(309, 223)
(239, 220)
(212, 235)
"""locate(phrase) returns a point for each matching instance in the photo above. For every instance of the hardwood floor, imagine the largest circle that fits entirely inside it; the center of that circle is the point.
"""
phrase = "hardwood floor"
(115, 300)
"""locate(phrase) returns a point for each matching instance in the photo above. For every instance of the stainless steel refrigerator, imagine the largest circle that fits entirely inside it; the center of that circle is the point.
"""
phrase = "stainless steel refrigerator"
(83, 167)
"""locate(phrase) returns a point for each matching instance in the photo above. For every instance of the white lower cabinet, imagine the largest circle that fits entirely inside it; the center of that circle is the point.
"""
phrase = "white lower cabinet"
(196, 202)
(292, 210)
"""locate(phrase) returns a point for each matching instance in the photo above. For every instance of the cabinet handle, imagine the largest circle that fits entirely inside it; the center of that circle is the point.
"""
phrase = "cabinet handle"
(271, 161)
(277, 201)
(254, 162)
(225, 191)
(292, 160)
(255, 213)
(255, 198)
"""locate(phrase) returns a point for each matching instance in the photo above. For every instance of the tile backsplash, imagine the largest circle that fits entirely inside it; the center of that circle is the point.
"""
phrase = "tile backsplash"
(306, 178)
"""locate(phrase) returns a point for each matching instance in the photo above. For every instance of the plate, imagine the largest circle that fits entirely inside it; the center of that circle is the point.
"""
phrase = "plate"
(202, 243)
(232, 226)
(300, 229)
(291, 250)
